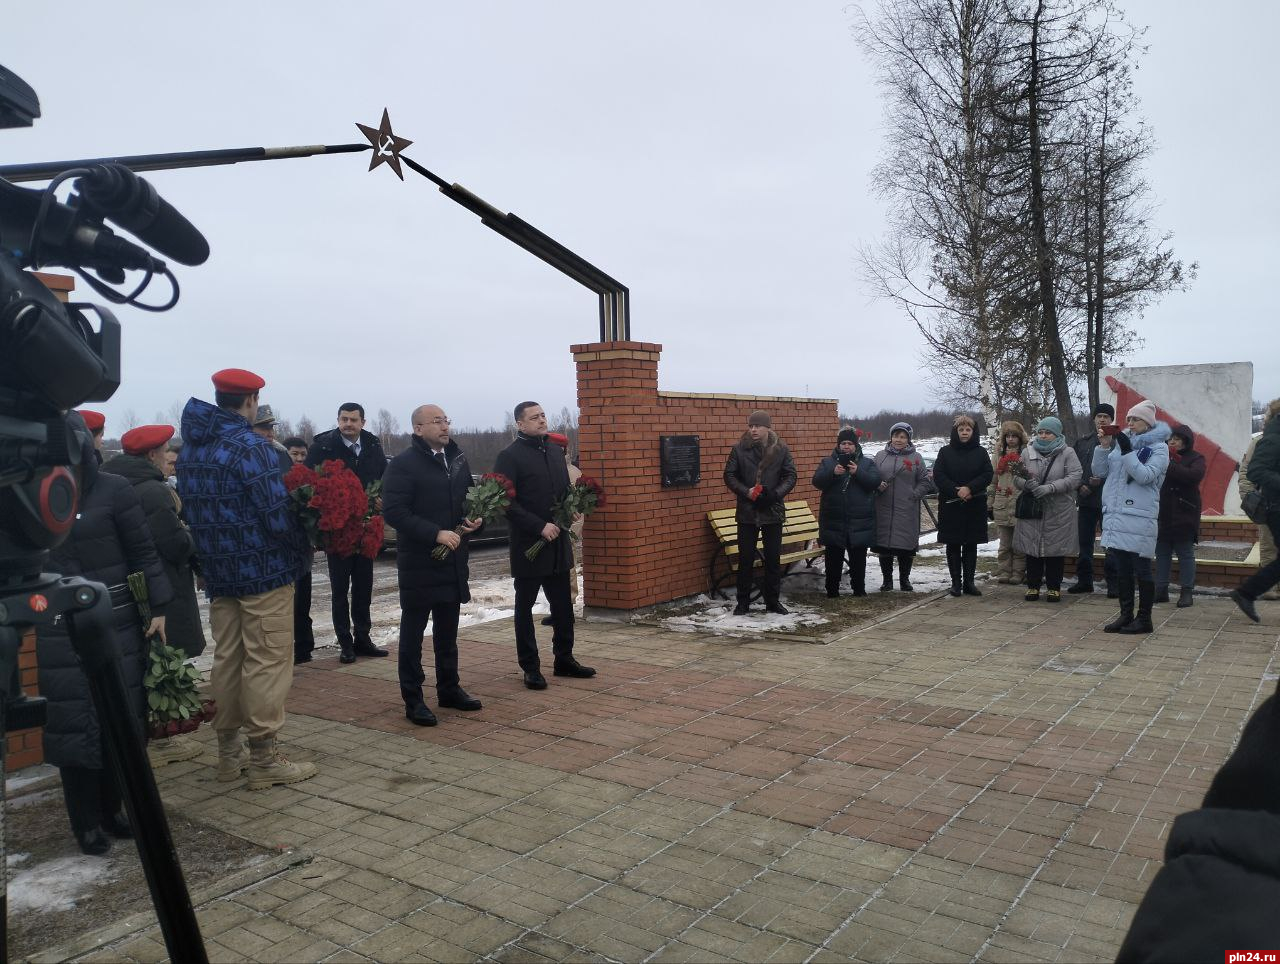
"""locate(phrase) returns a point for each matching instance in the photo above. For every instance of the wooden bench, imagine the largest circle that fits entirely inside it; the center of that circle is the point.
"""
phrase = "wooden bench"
(799, 535)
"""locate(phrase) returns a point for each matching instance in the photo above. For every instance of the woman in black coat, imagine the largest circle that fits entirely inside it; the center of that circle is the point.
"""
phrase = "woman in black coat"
(110, 540)
(962, 473)
(847, 517)
(1180, 506)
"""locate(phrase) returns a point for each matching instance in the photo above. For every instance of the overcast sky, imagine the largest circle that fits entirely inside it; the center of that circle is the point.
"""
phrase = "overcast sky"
(715, 157)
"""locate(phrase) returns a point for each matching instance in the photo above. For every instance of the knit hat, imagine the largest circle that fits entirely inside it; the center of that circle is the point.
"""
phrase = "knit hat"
(760, 418)
(1050, 424)
(1102, 408)
(901, 427)
(847, 435)
(1145, 411)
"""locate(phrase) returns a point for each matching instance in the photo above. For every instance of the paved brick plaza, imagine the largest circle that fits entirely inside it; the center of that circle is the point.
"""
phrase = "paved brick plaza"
(973, 780)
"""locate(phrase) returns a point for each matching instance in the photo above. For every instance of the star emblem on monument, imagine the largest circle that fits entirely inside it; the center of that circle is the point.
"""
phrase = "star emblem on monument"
(386, 144)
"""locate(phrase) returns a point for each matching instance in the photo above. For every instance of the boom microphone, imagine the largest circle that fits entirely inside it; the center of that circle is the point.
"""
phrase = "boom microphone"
(121, 196)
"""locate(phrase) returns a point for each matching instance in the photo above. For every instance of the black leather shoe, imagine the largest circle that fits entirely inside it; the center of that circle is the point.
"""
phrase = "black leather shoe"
(346, 652)
(548, 621)
(777, 608)
(574, 669)
(94, 842)
(459, 699)
(535, 680)
(905, 586)
(1246, 605)
(955, 588)
(117, 824)
(420, 715)
(1186, 598)
(365, 647)
(860, 591)
(971, 590)
(886, 586)
(300, 658)
(1113, 593)
(742, 609)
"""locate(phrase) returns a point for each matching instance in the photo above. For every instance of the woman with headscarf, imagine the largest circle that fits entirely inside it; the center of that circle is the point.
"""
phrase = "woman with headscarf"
(847, 517)
(904, 481)
(1179, 516)
(1011, 565)
(1049, 533)
(962, 472)
(1133, 463)
(109, 540)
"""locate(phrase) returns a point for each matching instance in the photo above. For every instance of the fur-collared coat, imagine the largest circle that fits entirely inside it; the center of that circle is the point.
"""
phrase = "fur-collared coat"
(1004, 496)
(767, 463)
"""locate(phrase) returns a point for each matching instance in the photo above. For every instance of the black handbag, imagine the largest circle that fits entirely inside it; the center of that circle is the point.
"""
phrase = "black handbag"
(1255, 507)
(1028, 506)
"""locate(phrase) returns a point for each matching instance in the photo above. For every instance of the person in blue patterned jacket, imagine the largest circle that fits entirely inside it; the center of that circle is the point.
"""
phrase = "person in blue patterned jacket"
(251, 551)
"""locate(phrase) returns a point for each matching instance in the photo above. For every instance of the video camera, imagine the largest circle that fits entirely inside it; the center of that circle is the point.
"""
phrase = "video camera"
(53, 359)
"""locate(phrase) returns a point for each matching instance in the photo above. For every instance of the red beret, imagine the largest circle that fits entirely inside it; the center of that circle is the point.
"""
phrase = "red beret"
(560, 440)
(93, 420)
(144, 438)
(237, 381)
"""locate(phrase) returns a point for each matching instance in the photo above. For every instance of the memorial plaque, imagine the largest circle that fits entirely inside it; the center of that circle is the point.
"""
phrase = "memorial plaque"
(681, 460)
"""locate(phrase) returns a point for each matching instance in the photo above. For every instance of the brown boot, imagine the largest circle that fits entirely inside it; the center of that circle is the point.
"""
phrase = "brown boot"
(269, 768)
(233, 755)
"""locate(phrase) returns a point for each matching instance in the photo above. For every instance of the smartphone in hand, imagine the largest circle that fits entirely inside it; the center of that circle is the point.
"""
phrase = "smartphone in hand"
(1112, 429)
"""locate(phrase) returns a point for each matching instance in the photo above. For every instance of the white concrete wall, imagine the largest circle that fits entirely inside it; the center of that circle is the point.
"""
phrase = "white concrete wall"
(1214, 400)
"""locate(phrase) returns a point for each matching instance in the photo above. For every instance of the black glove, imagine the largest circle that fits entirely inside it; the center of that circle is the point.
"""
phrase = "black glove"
(765, 498)
(1125, 443)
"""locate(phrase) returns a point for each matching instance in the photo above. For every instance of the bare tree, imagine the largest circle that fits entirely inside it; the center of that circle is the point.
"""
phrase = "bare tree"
(129, 420)
(306, 429)
(387, 427)
(1020, 238)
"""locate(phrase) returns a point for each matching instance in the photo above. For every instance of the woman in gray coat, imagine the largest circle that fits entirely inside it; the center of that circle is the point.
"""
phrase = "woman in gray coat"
(1053, 474)
(904, 481)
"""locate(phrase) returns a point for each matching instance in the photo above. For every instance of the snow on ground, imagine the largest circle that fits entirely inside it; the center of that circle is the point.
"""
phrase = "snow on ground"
(57, 884)
(26, 777)
(716, 617)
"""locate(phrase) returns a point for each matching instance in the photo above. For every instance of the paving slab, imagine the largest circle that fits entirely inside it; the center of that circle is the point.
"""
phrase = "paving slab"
(972, 780)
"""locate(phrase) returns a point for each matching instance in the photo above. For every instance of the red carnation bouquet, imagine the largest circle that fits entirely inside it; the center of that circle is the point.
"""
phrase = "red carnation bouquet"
(486, 500)
(339, 514)
(581, 499)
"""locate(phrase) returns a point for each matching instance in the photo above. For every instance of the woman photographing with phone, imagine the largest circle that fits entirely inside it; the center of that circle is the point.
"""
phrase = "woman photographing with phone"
(1132, 462)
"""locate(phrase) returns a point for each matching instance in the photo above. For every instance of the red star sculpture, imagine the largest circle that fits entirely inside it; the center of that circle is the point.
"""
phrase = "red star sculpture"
(386, 145)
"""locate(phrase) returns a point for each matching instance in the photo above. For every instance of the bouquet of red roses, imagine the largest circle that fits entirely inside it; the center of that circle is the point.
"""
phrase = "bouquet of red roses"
(581, 499)
(486, 501)
(336, 511)
(1011, 462)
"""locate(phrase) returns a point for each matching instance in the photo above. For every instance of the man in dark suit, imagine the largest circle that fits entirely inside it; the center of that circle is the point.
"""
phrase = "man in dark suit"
(541, 475)
(423, 494)
(362, 453)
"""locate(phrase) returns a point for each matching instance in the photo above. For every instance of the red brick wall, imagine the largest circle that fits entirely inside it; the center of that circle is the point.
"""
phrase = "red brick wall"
(649, 545)
(23, 747)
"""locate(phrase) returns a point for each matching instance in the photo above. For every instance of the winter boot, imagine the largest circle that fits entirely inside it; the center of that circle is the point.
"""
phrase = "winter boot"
(1162, 593)
(1141, 624)
(233, 756)
(269, 768)
(954, 567)
(1184, 597)
(905, 562)
(969, 565)
(1124, 591)
(171, 749)
(886, 571)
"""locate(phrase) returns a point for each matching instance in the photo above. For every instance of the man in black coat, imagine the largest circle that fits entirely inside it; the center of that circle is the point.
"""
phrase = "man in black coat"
(362, 453)
(760, 472)
(1089, 506)
(423, 498)
(540, 474)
